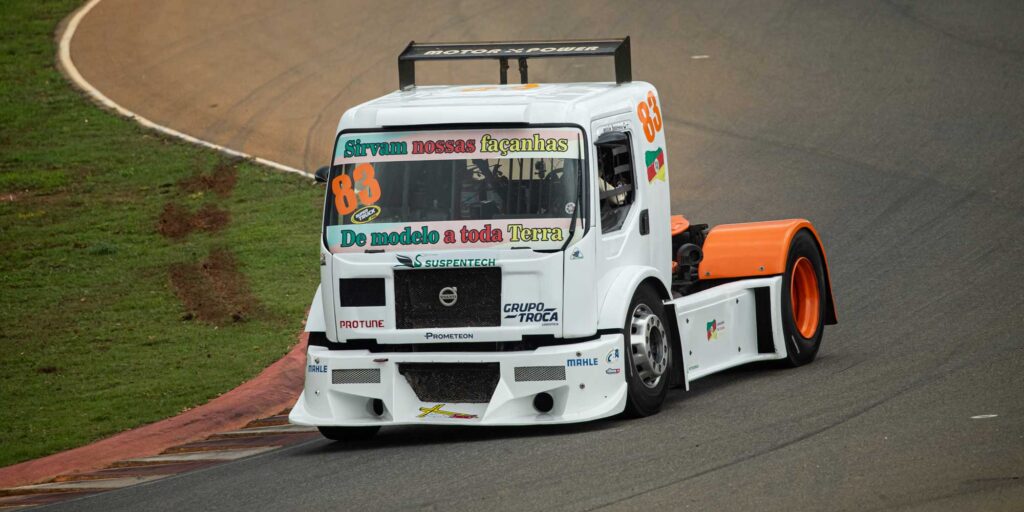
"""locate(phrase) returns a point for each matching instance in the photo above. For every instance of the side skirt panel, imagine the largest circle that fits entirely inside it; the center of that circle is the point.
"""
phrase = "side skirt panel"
(721, 327)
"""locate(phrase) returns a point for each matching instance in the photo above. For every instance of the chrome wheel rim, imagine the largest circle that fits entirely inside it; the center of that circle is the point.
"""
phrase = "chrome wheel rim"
(648, 345)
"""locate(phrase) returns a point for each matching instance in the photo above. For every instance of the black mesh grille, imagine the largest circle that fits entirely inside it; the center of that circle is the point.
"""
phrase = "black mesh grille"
(467, 383)
(539, 373)
(477, 304)
(356, 376)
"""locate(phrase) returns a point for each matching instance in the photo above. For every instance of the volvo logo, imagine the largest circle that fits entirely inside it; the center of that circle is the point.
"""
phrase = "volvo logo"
(449, 296)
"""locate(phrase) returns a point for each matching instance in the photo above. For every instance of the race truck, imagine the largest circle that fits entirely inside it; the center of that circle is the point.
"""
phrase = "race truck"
(505, 255)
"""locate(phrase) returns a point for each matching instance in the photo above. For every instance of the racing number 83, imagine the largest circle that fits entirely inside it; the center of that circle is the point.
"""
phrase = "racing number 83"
(650, 116)
(346, 198)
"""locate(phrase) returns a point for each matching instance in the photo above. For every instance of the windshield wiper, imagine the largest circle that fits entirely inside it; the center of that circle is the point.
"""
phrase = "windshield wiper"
(579, 193)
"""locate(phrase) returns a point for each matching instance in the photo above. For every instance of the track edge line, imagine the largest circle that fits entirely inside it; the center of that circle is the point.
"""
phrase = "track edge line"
(67, 65)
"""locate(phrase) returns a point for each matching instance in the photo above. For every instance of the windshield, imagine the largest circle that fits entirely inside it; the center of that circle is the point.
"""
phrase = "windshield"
(454, 190)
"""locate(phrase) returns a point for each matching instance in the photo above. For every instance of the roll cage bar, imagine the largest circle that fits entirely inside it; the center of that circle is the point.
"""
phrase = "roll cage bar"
(519, 50)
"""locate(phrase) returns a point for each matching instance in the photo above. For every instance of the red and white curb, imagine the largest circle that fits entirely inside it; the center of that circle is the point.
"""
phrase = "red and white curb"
(257, 437)
(78, 474)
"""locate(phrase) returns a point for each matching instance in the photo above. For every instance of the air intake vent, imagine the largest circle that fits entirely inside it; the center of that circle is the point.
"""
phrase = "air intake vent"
(538, 373)
(356, 376)
(468, 383)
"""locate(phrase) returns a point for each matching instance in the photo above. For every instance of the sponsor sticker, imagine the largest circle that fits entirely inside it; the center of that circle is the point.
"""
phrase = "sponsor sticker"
(531, 312)
(448, 336)
(613, 355)
(715, 327)
(361, 324)
(426, 261)
(577, 254)
(613, 371)
(581, 361)
(365, 214)
(438, 410)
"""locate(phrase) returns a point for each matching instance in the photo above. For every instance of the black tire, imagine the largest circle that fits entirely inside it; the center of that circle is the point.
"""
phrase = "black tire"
(643, 398)
(801, 348)
(348, 434)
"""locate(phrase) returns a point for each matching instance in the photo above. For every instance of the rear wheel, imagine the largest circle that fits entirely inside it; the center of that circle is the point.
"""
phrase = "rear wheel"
(648, 354)
(348, 433)
(803, 299)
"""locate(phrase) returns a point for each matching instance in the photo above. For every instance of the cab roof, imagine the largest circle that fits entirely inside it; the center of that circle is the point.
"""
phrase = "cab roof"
(558, 103)
(526, 103)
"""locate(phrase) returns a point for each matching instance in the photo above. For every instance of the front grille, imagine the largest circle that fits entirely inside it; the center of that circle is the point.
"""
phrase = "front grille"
(477, 298)
(466, 383)
(539, 373)
(356, 376)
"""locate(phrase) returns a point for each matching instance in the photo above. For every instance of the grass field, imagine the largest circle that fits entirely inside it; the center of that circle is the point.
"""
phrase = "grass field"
(139, 276)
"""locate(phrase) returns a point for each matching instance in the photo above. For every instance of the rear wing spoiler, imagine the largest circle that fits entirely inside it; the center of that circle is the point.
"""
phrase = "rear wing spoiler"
(503, 51)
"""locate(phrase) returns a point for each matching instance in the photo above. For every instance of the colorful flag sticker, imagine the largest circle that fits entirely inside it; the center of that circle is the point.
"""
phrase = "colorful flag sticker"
(655, 165)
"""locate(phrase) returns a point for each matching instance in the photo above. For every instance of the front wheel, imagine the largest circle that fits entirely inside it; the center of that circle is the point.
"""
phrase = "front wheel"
(344, 434)
(648, 354)
(803, 300)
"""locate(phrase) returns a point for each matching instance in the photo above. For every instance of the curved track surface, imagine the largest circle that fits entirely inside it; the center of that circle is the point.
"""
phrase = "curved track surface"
(897, 127)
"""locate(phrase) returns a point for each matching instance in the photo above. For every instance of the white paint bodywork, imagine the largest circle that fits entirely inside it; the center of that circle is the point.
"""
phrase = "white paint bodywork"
(592, 281)
(587, 393)
(734, 304)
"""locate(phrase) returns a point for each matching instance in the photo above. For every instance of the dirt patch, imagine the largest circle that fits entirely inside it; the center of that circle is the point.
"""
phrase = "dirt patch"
(176, 221)
(214, 290)
(221, 181)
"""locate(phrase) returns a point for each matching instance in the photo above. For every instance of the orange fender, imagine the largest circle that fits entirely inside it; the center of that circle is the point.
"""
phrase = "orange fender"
(757, 249)
(679, 224)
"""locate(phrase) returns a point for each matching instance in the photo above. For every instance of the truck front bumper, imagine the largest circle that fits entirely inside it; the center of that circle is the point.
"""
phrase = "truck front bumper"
(359, 388)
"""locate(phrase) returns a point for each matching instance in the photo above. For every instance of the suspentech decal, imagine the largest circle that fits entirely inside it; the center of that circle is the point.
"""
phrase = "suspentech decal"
(656, 168)
(437, 409)
(421, 261)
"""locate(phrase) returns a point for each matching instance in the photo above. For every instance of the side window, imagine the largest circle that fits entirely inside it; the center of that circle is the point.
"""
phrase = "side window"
(616, 179)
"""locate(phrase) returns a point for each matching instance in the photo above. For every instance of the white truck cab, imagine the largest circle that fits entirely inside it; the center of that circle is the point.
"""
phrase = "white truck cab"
(505, 255)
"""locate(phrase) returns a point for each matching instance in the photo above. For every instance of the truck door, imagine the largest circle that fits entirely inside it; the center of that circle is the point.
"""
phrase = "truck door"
(620, 202)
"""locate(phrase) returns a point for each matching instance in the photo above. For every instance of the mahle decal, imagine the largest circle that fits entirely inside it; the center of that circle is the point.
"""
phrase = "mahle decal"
(316, 367)
(365, 214)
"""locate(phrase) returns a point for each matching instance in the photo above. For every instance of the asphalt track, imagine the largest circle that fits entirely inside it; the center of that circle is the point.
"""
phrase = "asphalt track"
(897, 127)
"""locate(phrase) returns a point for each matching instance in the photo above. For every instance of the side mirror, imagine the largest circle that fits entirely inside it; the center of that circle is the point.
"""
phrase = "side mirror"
(322, 174)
